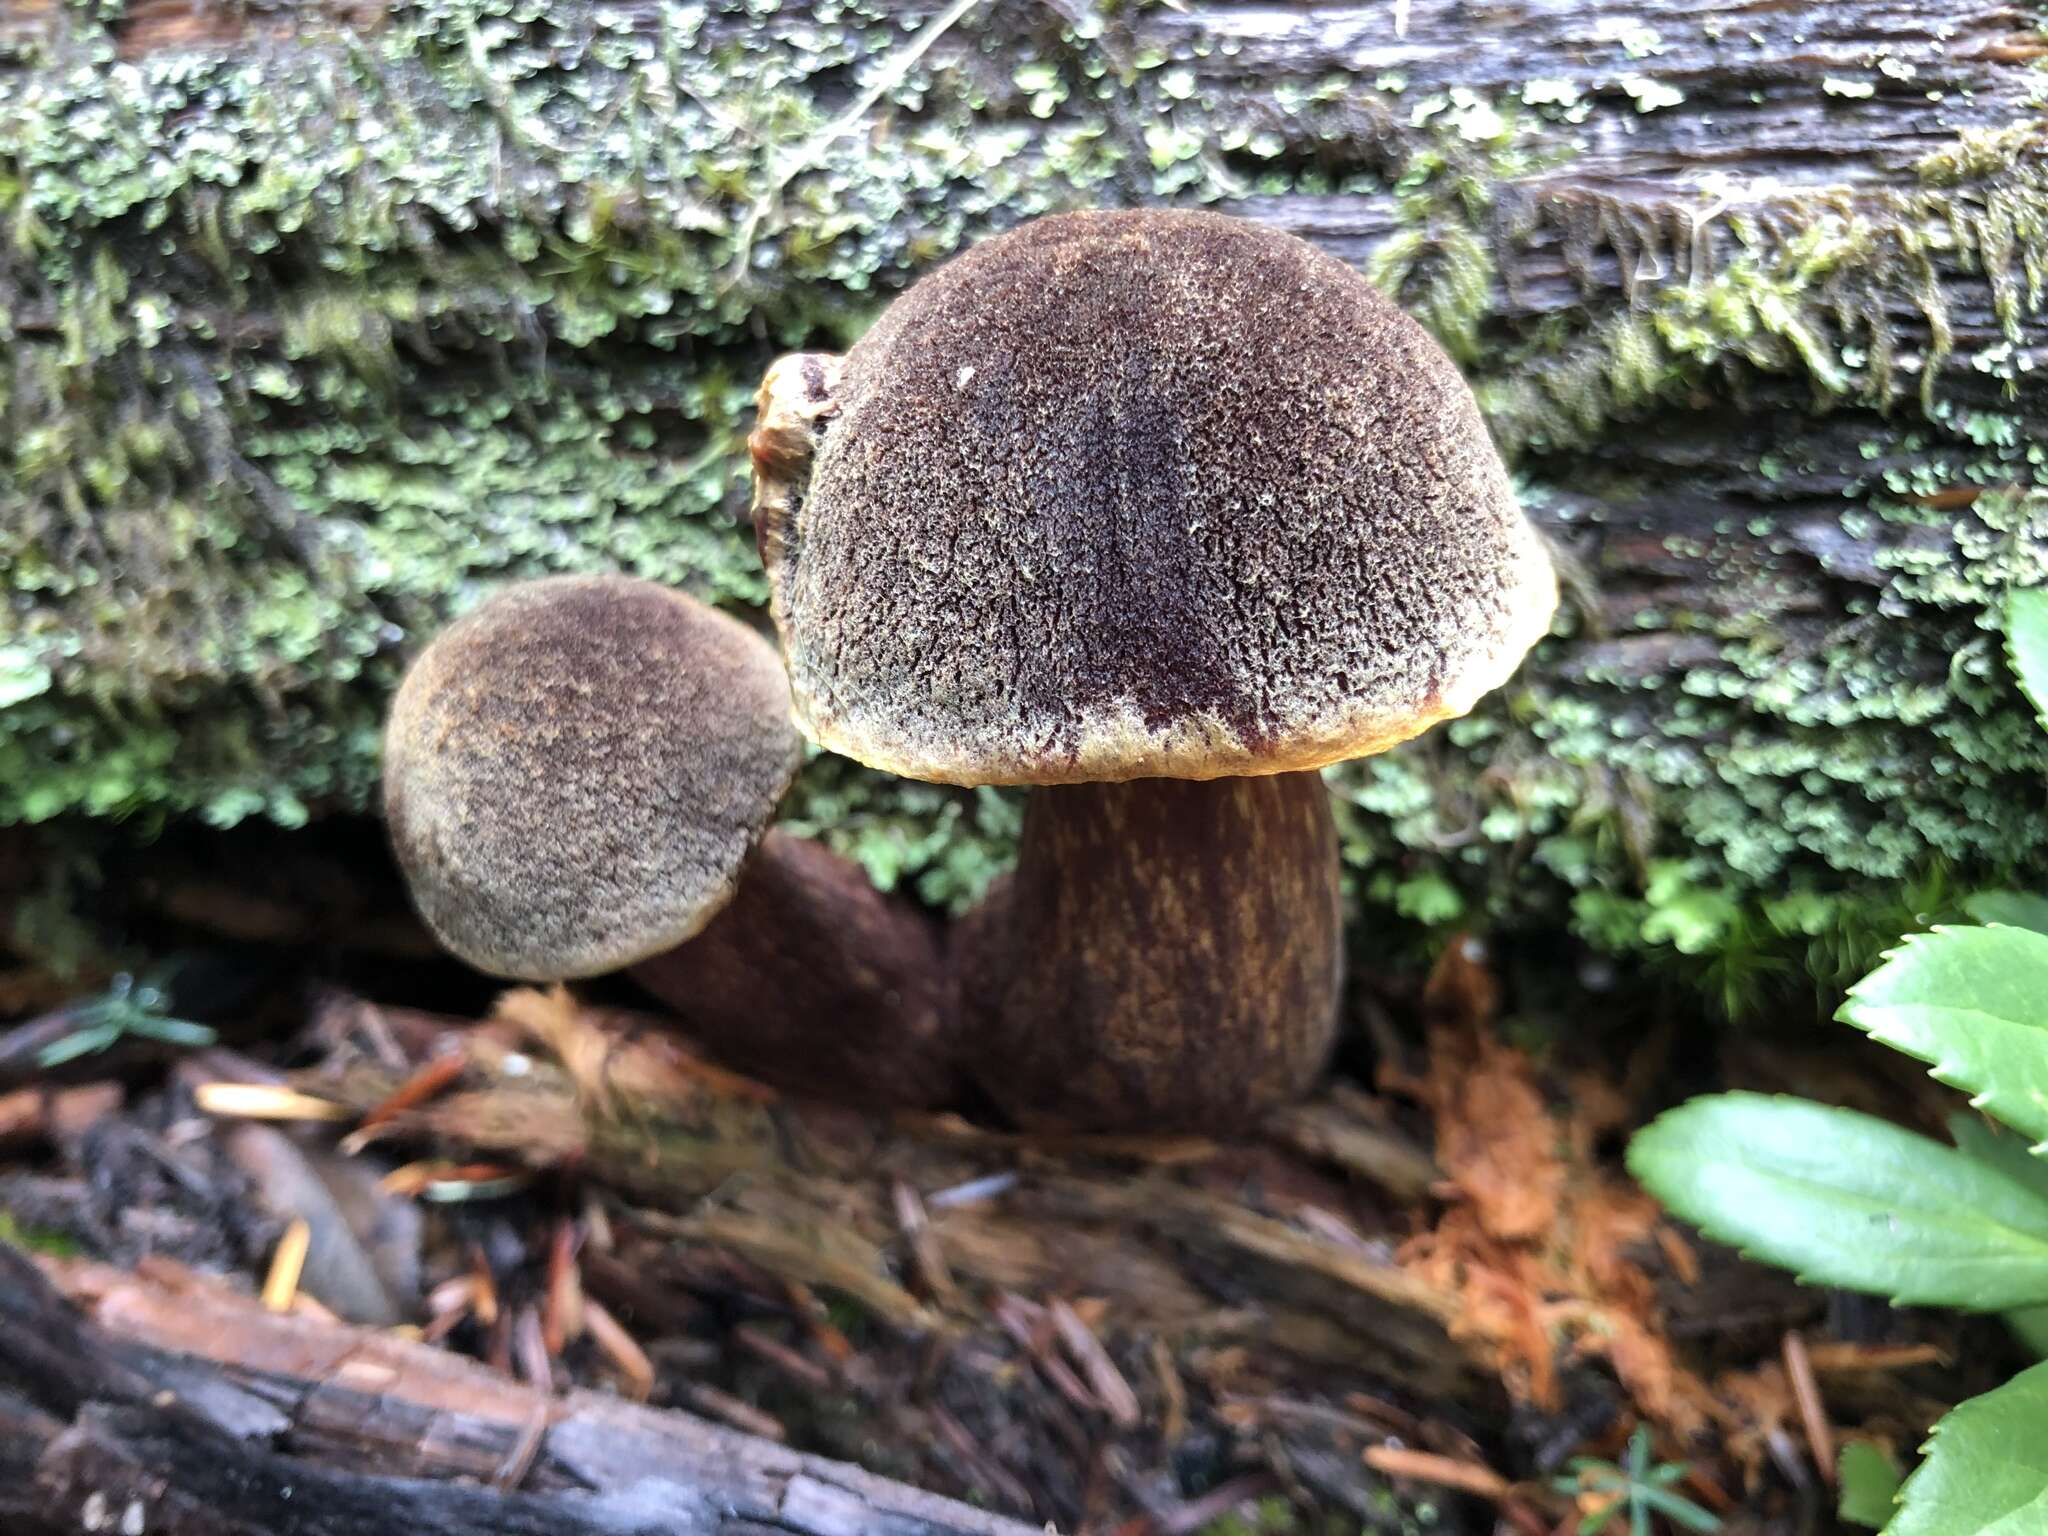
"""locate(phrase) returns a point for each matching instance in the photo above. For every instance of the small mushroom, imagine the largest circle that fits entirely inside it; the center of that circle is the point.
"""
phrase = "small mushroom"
(579, 778)
(1162, 512)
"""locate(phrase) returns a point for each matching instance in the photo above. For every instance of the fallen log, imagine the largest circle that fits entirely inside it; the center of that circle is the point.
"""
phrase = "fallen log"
(1750, 294)
(175, 1406)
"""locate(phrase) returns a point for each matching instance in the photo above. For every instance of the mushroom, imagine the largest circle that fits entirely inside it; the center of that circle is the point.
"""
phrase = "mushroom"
(579, 778)
(1161, 513)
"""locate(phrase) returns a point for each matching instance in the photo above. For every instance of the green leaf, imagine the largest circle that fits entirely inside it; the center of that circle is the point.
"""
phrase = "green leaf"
(1986, 1472)
(1429, 899)
(2026, 642)
(174, 1031)
(1846, 1199)
(1690, 918)
(2010, 908)
(1973, 1003)
(87, 1041)
(1989, 1142)
(1869, 1484)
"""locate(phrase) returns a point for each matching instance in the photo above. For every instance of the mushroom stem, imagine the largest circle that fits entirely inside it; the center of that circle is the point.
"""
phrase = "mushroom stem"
(1167, 955)
(814, 981)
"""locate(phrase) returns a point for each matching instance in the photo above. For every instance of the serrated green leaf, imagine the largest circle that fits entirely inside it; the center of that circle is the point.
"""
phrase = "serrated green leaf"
(1842, 1198)
(2012, 908)
(1869, 1484)
(2026, 642)
(1986, 1472)
(1973, 1004)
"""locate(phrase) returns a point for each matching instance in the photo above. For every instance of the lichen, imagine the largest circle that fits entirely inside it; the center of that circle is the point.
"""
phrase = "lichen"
(303, 348)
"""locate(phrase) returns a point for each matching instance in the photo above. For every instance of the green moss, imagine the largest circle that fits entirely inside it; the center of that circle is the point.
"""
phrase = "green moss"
(1727, 280)
(1794, 797)
(299, 375)
(944, 844)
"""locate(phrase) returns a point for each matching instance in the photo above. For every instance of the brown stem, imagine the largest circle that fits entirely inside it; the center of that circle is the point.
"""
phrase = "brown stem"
(1167, 955)
(814, 981)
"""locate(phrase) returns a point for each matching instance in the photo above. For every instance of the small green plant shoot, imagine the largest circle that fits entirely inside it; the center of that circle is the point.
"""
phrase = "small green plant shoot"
(128, 1008)
(1640, 1487)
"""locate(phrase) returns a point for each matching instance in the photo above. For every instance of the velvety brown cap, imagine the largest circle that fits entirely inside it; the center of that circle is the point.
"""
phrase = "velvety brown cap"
(1141, 494)
(575, 772)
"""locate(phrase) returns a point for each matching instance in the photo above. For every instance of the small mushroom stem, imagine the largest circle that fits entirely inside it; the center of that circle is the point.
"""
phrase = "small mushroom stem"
(1167, 955)
(814, 981)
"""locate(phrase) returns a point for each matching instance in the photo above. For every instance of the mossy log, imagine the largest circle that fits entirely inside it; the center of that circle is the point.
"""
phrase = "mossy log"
(316, 321)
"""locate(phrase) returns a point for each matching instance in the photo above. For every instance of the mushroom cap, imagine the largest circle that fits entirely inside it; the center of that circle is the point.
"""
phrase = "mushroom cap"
(575, 772)
(1144, 494)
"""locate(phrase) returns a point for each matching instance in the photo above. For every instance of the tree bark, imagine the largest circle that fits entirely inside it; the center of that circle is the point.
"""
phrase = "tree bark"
(1750, 295)
(188, 1411)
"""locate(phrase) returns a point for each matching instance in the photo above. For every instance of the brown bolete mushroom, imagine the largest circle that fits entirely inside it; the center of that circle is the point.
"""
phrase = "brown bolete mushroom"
(579, 778)
(1162, 512)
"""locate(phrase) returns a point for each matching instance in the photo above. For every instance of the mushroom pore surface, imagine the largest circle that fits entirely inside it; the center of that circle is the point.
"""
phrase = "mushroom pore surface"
(576, 771)
(1147, 494)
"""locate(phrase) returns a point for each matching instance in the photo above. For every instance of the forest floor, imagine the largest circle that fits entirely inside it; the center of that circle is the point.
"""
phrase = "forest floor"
(1429, 1299)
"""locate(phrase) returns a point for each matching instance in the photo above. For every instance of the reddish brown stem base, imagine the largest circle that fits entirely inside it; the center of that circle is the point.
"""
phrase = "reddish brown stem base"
(1167, 956)
(815, 982)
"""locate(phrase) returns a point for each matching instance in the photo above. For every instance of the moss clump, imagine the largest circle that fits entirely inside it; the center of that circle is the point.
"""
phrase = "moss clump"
(1845, 287)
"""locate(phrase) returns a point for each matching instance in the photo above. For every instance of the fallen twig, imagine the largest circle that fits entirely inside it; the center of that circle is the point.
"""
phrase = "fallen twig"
(1820, 1437)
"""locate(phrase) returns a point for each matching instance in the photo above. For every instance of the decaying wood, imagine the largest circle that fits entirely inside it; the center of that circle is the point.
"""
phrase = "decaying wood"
(1034, 1314)
(1199, 1241)
(170, 1405)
